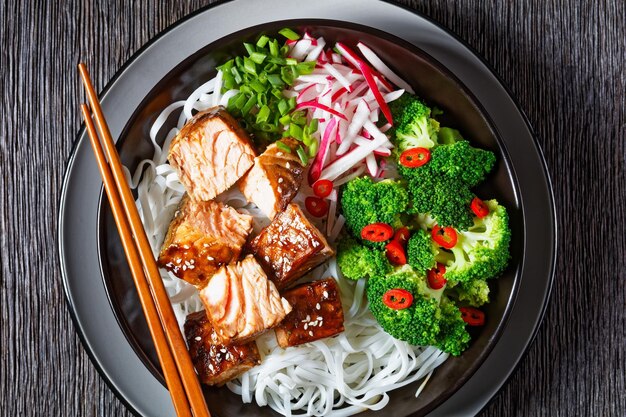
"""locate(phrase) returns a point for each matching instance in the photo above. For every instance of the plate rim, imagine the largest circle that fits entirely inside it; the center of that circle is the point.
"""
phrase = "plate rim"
(123, 69)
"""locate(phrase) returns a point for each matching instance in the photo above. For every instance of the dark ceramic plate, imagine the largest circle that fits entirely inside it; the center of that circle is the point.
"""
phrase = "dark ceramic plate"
(430, 79)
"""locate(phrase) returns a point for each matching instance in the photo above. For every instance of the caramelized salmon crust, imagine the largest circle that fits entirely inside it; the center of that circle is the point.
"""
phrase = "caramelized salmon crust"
(211, 152)
(317, 313)
(290, 246)
(215, 363)
(203, 236)
(275, 178)
(241, 302)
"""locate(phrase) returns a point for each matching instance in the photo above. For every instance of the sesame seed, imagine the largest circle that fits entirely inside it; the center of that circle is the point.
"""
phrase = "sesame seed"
(287, 165)
(267, 258)
(223, 350)
(318, 318)
(310, 333)
(178, 260)
(308, 318)
(318, 306)
(198, 338)
(279, 154)
(184, 267)
(192, 261)
(280, 180)
(280, 190)
(211, 367)
(306, 326)
(210, 258)
(325, 294)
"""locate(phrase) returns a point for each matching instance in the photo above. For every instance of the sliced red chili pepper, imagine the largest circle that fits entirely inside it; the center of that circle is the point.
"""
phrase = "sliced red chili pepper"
(414, 157)
(395, 253)
(436, 280)
(377, 232)
(322, 188)
(444, 236)
(316, 206)
(472, 316)
(479, 207)
(398, 299)
(402, 236)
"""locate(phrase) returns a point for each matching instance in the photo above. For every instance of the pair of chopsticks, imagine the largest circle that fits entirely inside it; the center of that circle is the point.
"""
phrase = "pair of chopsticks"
(178, 369)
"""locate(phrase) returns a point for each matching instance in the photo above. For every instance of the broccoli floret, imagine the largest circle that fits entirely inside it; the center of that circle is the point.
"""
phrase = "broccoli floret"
(357, 261)
(453, 336)
(482, 252)
(463, 162)
(421, 251)
(417, 324)
(448, 136)
(446, 199)
(413, 125)
(364, 202)
(474, 293)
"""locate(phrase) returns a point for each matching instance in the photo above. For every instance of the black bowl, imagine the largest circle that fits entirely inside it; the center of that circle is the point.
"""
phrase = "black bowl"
(432, 82)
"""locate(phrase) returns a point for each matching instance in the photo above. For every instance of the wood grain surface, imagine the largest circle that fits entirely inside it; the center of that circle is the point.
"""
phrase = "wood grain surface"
(564, 61)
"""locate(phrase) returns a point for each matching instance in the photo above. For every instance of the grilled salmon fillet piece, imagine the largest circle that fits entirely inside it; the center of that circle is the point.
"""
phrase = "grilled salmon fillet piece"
(215, 363)
(241, 302)
(211, 152)
(275, 177)
(203, 236)
(317, 313)
(290, 246)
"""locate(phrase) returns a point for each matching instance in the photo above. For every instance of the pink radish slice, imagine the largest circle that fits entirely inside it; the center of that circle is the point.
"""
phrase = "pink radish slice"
(394, 95)
(381, 67)
(342, 80)
(314, 54)
(343, 164)
(369, 78)
(356, 124)
(301, 49)
(316, 105)
(306, 94)
(385, 127)
(317, 165)
(372, 166)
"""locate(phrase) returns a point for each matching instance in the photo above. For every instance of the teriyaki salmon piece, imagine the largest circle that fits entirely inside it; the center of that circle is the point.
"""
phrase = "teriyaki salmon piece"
(216, 363)
(211, 153)
(203, 236)
(317, 313)
(275, 177)
(290, 246)
(241, 303)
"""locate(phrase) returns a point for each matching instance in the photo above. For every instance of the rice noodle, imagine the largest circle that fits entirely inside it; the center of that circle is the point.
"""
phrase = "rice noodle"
(338, 376)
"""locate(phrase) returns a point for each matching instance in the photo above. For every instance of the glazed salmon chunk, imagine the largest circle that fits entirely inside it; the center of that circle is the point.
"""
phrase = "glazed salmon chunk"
(290, 246)
(211, 152)
(316, 314)
(203, 236)
(241, 302)
(216, 363)
(275, 177)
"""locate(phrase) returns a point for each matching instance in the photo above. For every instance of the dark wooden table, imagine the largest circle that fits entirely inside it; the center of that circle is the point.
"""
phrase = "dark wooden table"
(564, 60)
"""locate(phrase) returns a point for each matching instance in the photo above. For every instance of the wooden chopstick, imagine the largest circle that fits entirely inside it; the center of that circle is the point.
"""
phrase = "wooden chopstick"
(143, 259)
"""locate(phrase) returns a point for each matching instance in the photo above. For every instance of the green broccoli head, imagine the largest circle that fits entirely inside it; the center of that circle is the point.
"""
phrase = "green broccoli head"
(453, 336)
(365, 202)
(413, 124)
(481, 252)
(474, 293)
(417, 324)
(446, 198)
(448, 136)
(357, 261)
(462, 162)
(421, 251)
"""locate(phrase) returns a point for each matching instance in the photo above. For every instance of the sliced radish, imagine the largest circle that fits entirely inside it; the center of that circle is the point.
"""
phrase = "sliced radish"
(372, 166)
(315, 104)
(381, 67)
(306, 94)
(317, 165)
(301, 49)
(316, 51)
(369, 78)
(352, 158)
(357, 173)
(358, 120)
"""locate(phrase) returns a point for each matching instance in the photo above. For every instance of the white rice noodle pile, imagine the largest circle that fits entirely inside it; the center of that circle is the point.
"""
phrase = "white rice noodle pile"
(337, 376)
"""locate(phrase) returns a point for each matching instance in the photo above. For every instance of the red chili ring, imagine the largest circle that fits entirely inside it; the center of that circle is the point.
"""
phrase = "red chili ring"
(436, 279)
(377, 232)
(398, 299)
(472, 316)
(479, 207)
(395, 253)
(414, 157)
(445, 237)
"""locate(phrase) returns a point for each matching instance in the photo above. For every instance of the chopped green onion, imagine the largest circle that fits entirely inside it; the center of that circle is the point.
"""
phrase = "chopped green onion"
(289, 34)
(285, 120)
(249, 66)
(236, 74)
(312, 127)
(274, 49)
(295, 131)
(313, 147)
(283, 107)
(291, 61)
(249, 48)
(257, 57)
(262, 41)
(248, 106)
(283, 147)
(303, 156)
(263, 114)
(275, 80)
